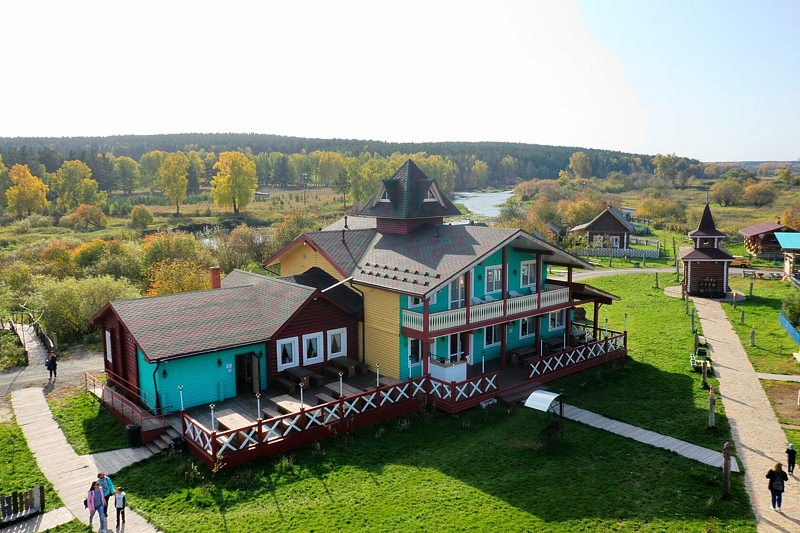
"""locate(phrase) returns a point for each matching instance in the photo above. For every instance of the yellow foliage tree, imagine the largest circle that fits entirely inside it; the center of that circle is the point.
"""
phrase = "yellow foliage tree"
(74, 186)
(173, 177)
(173, 276)
(28, 193)
(580, 165)
(235, 182)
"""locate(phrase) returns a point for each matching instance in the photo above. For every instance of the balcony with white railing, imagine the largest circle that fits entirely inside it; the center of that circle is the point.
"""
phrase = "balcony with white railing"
(453, 318)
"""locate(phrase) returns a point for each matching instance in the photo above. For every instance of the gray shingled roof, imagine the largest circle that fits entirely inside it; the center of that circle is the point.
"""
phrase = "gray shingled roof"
(619, 216)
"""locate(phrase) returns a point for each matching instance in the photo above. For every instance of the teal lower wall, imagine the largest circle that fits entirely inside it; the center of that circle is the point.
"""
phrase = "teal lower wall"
(204, 380)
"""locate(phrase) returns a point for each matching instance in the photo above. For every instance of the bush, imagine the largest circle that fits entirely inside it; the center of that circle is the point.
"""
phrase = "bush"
(40, 221)
(88, 215)
(791, 309)
(20, 226)
(89, 252)
(141, 217)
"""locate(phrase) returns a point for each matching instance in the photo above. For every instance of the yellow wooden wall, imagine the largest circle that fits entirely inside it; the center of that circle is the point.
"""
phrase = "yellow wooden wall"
(382, 330)
(303, 258)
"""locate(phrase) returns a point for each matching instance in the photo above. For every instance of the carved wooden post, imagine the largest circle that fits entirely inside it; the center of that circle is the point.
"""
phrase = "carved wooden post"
(726, 469)
(751, 290)
(742, 319)
(656, 280)
(693, 329)
(696, 341)
(753, 336)
(705, 386)
(687, 304)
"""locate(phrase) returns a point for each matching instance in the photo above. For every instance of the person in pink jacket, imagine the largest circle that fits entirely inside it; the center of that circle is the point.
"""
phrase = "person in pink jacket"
(96, 502)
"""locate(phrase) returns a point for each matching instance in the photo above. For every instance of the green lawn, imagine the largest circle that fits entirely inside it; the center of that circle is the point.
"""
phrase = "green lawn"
(73, 526)
(18, 468)
(773, 350)
(479, 471)
(793, 436)
(87, 425)
(654, 388)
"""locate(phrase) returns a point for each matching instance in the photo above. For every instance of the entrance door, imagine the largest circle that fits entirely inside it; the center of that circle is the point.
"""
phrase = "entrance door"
(248, 373)
(457, 293)
(454, 347)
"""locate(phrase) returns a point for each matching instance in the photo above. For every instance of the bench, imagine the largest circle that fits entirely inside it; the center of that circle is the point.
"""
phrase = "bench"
(324, 398)
(593, 262)
(287, 384)
(363, 368)
(269, 412)
(316, 379)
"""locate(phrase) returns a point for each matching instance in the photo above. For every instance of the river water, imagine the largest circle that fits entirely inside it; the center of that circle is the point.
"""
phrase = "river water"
(485, 204)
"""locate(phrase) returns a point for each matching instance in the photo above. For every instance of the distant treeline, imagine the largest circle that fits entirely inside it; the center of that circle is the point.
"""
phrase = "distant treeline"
(531, 160)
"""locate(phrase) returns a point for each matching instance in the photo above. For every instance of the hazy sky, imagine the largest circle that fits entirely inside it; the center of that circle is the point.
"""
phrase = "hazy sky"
(711, 80)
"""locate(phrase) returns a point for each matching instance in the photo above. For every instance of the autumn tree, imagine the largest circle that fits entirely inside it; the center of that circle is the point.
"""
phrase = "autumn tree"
(583, 209)
(172, 176)
(580, 165)
(791, 215)
(341, 185)
(141, 217)
(86, 215)
(479, 175)
(760, 194)
(787, 176)
(728, 192)
(74, 186)
(195, 171)
(177, 275)
(177, 245)
(294, 223)
(235, 182)
(127, 174)
(5, 182)
(667, 167)
(149, 164)
(27, 193)
(508, 168)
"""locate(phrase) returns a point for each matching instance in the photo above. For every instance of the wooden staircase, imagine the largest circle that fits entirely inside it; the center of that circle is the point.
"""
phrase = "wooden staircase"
(519, 393)
(163, 440)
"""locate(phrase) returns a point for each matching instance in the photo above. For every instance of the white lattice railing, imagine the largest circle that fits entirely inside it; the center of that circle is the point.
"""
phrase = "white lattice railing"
(462, 391)
(573, 356)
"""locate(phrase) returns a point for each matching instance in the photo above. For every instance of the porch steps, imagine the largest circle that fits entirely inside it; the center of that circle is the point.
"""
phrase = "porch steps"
(520, 393)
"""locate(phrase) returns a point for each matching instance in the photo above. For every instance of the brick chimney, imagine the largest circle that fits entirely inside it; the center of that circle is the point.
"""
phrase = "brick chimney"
(215, 283)
(605, 206)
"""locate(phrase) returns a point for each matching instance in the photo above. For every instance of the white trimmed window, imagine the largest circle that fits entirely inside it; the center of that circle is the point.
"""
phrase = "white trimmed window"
(109, 355)
(527, 274)
(598, 241)
(312, 349)
(385, 196)
(494, 279)
(492, 335)
(557, 319)
(415, 347)
(527, 327)
(431, 196)
(614, 241)
(417, 302)
(337, 343)
(287, 353)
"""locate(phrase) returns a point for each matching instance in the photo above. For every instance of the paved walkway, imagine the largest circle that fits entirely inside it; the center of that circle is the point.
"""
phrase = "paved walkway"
(42, 522)
(777, 377)
(69, 473)
(686, 449)
(760, 441)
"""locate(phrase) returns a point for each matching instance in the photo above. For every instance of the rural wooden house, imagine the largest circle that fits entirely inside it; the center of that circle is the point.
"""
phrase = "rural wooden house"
(609, 229)
(760, 240)
(705, 266)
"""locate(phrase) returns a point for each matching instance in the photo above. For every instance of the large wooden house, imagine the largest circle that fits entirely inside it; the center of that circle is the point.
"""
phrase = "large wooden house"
(760, 240)
(609, 229)
(705, 266)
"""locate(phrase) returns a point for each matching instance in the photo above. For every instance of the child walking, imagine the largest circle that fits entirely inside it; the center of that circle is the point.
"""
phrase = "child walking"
(119, 503)
(791, 454)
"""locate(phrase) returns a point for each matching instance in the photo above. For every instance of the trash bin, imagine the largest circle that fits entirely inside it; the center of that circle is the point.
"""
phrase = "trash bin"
(178, 444)
(636, 264)
(133, 431)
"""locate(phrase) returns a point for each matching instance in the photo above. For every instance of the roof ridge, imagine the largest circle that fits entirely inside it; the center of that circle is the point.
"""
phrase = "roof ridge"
(175, 294)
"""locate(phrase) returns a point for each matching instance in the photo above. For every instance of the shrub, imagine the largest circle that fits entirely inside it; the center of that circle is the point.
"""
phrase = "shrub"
(141, 217)
(175, 245)
(760, 194)
(20, 226)
(173, 276)
(89, 252)
(39, 221)
(89, 215)
(791, 308)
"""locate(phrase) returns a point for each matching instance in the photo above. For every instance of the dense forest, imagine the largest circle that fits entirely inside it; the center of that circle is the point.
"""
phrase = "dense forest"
(531, 161)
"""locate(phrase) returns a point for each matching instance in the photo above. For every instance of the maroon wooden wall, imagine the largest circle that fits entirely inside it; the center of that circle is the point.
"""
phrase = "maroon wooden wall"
(125, 364)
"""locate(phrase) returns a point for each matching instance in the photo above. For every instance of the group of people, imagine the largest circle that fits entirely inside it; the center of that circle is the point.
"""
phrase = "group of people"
(102, 495)
(777, 478)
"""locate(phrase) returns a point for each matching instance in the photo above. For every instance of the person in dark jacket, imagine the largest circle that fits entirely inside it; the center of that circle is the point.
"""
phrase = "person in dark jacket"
(51, 364)
(777, 478)
(791, 454)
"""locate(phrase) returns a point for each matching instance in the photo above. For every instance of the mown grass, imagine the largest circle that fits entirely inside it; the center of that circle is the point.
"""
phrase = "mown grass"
(475, 472)
(793, 436)
(773, 349)
(654, 387)
(18, 468)
(73, 526)
(87, 425)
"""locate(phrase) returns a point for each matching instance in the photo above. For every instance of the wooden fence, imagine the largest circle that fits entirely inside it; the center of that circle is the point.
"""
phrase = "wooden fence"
(21, 504)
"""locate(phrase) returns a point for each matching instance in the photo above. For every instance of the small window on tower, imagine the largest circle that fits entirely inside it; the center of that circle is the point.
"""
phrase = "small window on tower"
(385, 196)
(431, 197)
(706, 242)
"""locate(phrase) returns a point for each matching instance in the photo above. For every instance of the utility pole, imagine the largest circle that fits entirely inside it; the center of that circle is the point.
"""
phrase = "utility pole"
(305, 186)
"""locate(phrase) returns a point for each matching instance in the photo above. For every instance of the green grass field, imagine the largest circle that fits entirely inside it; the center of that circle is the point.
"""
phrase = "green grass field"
(87, 425)
(479, 470)
(73, 526)
(773, 350)
(18, 468)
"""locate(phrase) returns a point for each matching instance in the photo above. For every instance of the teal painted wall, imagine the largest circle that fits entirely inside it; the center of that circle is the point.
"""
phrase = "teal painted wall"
(203, 380)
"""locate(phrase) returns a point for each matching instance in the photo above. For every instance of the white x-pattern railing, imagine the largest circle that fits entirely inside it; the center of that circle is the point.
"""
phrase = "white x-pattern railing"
(573, 356)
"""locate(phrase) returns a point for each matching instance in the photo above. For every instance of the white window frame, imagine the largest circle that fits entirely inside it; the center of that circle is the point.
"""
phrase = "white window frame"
(342, 346)
(531, 265)
(486, 270)
(320, 349)
(551, 314)
(496, 341)
(597, 240)
(430, 196)
(413, 301)
(109, 352)
(421, 352)
(295, 351)
(614, 240)
(385, 196)
(531, 327)
(462, 301)
(460, 345)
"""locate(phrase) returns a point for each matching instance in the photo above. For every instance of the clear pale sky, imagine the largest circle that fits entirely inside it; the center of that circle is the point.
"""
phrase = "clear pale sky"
(715, 80)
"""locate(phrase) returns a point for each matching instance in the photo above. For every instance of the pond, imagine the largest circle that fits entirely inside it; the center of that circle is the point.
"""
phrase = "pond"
(484, 203)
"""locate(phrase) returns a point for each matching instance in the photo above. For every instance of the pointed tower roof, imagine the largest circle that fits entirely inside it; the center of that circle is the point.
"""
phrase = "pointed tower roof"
(706, 228)
(409, 194)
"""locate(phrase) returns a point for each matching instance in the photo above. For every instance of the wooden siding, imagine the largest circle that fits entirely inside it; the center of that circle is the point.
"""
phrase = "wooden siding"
(319, 316)
(607, 223)
(382, 331)
(704, 269)
(303, 258)
(123, 352)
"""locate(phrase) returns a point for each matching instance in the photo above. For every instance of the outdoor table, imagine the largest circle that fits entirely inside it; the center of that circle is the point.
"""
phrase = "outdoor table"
(302, 375)
(230, 419)
(345, 363)
(347, 390)
(521, 353)
(554, 345)
(288, 404)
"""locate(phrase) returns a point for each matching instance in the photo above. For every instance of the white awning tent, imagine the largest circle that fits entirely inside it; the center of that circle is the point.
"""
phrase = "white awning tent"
(542, 400)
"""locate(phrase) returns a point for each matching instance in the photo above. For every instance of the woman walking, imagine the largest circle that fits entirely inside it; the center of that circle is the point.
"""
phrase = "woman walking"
(96, 501)
(52, 365)
(777, 477)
